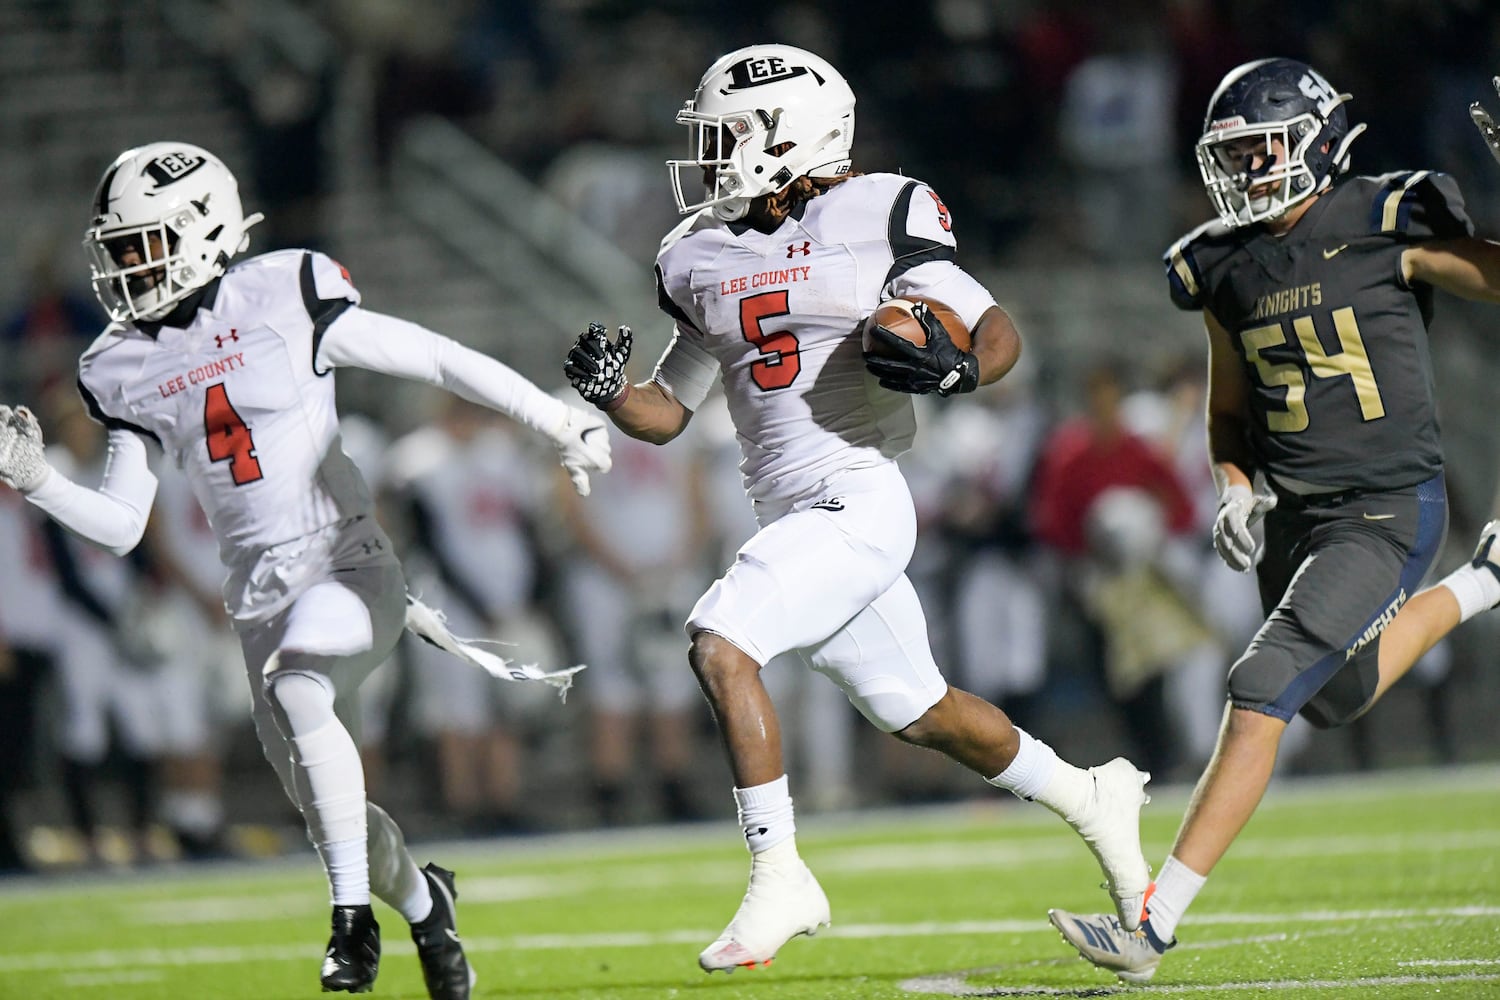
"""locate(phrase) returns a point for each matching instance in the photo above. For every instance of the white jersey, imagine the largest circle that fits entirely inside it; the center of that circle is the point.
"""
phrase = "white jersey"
(237, 402)
(241, 401)
(780, 314)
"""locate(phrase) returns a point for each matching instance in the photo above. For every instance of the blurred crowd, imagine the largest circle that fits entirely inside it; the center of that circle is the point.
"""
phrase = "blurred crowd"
(1065, 514)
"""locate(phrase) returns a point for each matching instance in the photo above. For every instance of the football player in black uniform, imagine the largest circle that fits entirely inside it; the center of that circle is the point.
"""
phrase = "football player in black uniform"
(1316, 293)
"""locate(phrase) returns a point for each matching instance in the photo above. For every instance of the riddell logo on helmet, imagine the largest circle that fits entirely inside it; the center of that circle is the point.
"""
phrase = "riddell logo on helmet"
(762, 70)
(173, 167)
(1236, 122)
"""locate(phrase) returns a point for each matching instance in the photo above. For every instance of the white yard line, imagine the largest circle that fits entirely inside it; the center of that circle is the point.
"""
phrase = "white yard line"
(145, 958)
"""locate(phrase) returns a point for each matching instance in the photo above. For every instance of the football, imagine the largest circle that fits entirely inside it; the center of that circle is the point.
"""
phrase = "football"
(895, 315)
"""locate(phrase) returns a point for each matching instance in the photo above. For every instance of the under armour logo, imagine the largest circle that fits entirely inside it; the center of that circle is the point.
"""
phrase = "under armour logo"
(834, 504)
(804, 249)
(372, 546)
(220, 338)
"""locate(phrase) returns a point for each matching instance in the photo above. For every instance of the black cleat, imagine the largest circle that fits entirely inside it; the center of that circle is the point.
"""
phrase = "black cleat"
(444, 967)
(353, 956)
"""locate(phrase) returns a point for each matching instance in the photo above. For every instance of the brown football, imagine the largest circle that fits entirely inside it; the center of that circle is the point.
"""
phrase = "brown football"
(895, 315)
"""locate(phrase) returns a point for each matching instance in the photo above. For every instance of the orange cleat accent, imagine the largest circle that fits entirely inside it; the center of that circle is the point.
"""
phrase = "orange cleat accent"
(1150, 891)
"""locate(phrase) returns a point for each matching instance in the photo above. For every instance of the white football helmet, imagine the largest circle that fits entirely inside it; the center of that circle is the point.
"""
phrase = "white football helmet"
(750, 102)
(174, 210)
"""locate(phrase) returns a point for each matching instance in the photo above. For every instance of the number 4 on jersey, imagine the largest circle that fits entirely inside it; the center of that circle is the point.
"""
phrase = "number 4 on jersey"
(228, 437)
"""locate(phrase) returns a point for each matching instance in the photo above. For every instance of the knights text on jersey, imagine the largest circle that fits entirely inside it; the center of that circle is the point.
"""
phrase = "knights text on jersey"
(781, 313)
(1333, 340)
(235, 401)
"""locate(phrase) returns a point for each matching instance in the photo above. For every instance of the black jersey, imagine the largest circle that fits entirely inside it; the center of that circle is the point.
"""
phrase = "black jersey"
(1333, 339)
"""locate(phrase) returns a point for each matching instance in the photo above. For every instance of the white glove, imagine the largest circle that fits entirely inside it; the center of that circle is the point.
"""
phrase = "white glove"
(1486, 125)
(583, 444)
(22, 465)
(1239, 509)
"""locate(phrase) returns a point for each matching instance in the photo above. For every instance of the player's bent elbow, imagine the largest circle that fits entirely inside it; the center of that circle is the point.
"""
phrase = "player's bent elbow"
(998, 344)
(124, 543)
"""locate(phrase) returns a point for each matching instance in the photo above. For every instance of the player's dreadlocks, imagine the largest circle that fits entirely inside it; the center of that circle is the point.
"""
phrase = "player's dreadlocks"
(768, 211)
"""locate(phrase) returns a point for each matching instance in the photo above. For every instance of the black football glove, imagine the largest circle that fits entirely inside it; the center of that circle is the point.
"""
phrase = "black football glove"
(596, 367)
(937, 366)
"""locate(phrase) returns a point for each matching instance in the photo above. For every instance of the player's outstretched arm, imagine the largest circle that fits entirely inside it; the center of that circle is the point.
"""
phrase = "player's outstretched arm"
(363, 339)
(113, 516)
(1468, 267)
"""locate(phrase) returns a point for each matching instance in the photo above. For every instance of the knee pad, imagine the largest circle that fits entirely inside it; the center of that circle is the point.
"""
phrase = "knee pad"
(299, 702)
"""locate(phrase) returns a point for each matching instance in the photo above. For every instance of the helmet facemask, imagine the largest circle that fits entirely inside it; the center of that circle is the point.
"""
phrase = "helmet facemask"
(1244, 192)
(149, 286)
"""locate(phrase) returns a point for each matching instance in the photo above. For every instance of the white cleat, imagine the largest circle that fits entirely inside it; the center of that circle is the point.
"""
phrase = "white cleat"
(1099, 938)
(1111, 825)
(784, 900)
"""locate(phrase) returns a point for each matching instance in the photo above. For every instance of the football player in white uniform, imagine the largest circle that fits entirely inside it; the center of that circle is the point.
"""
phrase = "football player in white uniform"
(783, 255)
(227, 370)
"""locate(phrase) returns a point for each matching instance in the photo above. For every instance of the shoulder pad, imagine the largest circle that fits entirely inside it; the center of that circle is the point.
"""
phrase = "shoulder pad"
(883, 186)
(1419, 204)
(1184, 262)
(331, 279)
(701, 219)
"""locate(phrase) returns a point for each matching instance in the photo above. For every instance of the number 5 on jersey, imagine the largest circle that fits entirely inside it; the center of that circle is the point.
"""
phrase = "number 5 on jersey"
(229, 439)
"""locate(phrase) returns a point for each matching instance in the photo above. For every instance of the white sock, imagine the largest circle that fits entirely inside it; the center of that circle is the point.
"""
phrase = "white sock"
(766, 814)
(331, 790)
(348, 872)
(1475, 589)
(1038, 774)
(1177, 886)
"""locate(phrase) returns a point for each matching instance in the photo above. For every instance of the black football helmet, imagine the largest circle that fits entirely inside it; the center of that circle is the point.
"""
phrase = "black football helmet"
(1275, 135)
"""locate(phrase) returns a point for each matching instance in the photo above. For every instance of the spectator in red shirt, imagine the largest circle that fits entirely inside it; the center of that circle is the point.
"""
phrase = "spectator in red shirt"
(1092, 453)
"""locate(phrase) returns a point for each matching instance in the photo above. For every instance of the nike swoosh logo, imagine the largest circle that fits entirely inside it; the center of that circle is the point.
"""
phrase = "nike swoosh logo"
(1330, 254)
(1379, 517)
(592, 430)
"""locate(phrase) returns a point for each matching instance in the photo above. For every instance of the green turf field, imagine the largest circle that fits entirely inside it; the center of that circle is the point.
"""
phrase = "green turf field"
(1385, 887)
